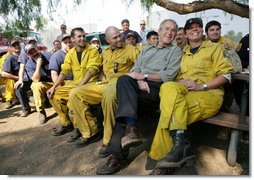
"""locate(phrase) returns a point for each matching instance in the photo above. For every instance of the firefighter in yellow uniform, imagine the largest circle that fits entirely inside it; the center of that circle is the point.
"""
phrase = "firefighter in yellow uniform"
(2, 80)
(9, 86)
(84, 62)
(197, 95)
(118, 59)
(213, 32)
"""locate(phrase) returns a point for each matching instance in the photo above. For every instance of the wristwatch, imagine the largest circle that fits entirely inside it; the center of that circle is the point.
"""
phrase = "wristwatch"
(205, 86)
(146, 77)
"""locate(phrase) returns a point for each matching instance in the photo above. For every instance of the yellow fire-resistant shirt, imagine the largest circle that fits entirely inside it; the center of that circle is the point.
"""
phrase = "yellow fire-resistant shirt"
(90, 60)
(205, 65)
(226, 41)
(121, 59)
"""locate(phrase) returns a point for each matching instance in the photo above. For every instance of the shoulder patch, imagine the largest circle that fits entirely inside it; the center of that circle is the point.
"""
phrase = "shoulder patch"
(239, 46)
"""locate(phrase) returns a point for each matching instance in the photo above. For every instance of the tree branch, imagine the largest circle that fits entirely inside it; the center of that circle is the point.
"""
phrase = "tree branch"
(226, 5)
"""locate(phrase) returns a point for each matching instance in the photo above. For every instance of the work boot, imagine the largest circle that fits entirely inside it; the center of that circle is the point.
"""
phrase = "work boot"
(179, 154)
(42, 117)
(9, 105)
(25, 112)
(132, 138)
(104, 151)
(75, 135)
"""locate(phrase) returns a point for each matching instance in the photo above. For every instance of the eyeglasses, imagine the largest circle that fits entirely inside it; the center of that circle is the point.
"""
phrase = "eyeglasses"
(142, 24)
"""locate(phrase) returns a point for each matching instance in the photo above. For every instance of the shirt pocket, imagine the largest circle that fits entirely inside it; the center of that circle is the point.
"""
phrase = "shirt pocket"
(121, 64)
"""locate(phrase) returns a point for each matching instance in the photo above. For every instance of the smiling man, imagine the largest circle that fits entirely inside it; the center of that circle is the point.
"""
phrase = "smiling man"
(83, 61)
(197, 95)
(140, 88)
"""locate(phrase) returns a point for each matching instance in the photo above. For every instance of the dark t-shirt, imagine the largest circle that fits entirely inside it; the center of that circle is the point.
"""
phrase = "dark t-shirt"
(11, 65)
(45, 72)
(243, 50)
(22, 60)
(56, 61)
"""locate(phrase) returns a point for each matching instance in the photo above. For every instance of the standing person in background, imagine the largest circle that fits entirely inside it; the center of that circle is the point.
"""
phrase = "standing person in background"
(56, 45)
(143, 31)
(63, 32)
(126, 25)
(181, 38)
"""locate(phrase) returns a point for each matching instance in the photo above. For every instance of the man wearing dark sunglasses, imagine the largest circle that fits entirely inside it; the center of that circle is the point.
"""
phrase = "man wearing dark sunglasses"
(63, 32)
(143, 31)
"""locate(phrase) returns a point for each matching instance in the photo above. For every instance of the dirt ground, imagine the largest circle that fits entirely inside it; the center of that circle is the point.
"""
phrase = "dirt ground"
(27, 148)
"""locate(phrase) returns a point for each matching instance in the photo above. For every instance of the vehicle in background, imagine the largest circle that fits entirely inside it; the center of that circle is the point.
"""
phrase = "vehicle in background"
(40, 46)
(99, 35)
(7, 36)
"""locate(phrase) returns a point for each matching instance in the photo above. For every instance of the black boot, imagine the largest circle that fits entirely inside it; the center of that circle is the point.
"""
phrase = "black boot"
(179, 154)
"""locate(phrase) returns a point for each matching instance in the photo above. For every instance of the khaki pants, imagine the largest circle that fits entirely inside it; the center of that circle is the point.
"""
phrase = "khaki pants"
(39, 92)
(82, 98)
(60, 102)
(180, 108)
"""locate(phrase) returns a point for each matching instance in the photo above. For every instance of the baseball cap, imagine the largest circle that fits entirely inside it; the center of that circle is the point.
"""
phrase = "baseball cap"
(28, 47)
(94, 39)
(29, 39)
(14, 41)
(129, 34)
(66, 36)
(191, 21)
(63, 26)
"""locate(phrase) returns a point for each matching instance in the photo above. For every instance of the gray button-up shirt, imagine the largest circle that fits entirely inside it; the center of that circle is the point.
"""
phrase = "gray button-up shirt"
(163, 61)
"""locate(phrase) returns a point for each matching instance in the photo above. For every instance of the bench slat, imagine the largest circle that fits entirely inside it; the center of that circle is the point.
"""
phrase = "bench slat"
(229, 120)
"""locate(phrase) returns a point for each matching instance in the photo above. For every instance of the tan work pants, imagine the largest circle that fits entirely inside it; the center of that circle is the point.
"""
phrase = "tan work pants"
(39, 92)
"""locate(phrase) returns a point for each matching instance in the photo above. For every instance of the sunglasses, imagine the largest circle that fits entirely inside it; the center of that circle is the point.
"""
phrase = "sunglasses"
(142, 24)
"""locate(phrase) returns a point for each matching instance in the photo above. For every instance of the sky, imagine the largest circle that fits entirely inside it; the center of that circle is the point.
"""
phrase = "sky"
(98, 14)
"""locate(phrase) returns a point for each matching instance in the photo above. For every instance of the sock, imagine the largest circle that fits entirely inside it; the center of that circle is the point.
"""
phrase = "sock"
(179, 131)
(130, 121)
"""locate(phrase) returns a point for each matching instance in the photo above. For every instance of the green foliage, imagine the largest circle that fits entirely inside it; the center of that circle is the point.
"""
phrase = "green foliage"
(234, 37)
(18, 14)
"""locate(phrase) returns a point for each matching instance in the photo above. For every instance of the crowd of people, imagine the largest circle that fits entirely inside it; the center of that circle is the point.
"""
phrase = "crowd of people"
(136, 70)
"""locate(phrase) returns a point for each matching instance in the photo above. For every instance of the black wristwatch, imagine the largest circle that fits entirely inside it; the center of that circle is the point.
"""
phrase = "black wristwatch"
(146, 77)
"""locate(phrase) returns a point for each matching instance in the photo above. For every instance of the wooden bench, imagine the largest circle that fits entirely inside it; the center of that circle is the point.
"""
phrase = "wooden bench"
(237, 124)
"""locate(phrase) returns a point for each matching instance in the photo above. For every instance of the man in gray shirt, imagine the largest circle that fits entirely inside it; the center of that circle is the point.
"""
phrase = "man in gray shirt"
(139, 88)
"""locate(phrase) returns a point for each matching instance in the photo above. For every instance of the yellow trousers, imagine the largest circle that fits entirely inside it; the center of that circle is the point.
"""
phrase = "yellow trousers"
(39, 92)
(1, 83)
(61, 105)
(180, 108)
(82, 98)
(9, 89)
